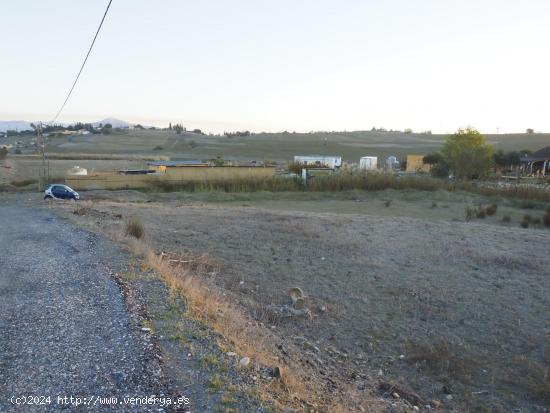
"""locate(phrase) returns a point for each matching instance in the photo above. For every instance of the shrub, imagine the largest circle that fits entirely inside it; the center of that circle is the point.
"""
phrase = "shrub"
(23, 182)
(528, 205)
(527, 219)
(524, 223)
(134, 228)
(81, 210)
(296, 167)
(440, 170)
(536, 221)
(491, 210)
(546, 219)
(3, 153)
(475, 212)
(506, 218)
(442, 357)
(158, 148)
(469, 212)
(18, 151)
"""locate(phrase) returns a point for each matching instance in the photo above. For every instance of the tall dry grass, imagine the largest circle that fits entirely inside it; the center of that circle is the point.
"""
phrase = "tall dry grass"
(334, 182)
(345, 181)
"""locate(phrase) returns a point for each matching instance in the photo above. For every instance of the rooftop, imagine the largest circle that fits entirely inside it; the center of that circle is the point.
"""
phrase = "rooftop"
(183, 162)
(540, 155)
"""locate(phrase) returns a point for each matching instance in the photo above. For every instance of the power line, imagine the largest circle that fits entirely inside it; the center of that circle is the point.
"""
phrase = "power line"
(83, 64)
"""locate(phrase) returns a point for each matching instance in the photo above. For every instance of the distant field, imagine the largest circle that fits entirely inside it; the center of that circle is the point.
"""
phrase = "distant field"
(129, 149)
(275, 146)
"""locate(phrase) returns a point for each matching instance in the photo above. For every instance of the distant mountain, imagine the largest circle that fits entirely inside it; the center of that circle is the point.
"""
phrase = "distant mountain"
(117, 123)
(14, 125)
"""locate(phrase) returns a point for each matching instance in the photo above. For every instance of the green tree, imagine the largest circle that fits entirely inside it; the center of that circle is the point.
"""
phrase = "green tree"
(433, 158)
(107, 129)
(439, 168)
(467, 154)
(506, 159)
(499, 158)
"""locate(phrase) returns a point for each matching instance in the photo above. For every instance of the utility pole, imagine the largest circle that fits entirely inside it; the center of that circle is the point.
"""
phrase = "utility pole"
(44, 170)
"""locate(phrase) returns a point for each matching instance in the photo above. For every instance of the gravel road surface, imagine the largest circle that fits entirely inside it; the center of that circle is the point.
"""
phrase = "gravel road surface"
(64, 329)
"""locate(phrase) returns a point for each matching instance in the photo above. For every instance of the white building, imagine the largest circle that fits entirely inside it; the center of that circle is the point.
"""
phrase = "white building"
(332, 162)
(368, 163)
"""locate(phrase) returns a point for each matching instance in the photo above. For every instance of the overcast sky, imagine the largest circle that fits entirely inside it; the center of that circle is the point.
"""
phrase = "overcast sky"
(281, 64)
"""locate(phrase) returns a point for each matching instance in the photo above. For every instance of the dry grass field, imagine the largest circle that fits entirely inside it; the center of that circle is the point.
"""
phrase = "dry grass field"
(280, 147)
(130, 149)
(403, 292)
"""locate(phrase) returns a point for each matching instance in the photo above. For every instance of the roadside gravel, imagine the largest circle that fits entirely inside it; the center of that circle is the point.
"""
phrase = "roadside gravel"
(64, 329)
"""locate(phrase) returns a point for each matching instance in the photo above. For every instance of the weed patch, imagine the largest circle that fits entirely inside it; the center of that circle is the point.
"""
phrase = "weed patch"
(441, 358)
(134, 228)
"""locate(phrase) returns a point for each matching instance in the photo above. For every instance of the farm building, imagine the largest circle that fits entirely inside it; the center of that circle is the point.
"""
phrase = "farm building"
(538, 163)
(332, 162)
(368, 163)
(415, 163)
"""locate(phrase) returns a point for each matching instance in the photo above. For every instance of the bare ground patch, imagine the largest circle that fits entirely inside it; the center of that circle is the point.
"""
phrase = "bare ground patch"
(443, 307)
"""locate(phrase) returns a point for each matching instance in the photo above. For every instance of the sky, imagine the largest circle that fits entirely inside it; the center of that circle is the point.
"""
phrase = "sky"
(281, 64)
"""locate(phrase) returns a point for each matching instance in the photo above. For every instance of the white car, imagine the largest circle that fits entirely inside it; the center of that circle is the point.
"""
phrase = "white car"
(58, 191)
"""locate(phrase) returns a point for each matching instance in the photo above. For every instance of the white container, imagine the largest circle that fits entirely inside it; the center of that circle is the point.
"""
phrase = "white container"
(368, 163)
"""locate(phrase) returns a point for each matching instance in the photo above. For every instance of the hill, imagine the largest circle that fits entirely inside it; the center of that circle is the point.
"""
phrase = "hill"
(19, 125)
(117, 123)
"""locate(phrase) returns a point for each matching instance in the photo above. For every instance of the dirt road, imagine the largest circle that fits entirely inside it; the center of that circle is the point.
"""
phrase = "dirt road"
(64, 329)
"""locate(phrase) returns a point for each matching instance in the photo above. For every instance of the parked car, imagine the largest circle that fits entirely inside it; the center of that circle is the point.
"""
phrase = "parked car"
(58, 191)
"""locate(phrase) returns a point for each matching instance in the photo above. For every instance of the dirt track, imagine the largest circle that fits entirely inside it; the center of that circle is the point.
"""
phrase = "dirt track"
(64, 329)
